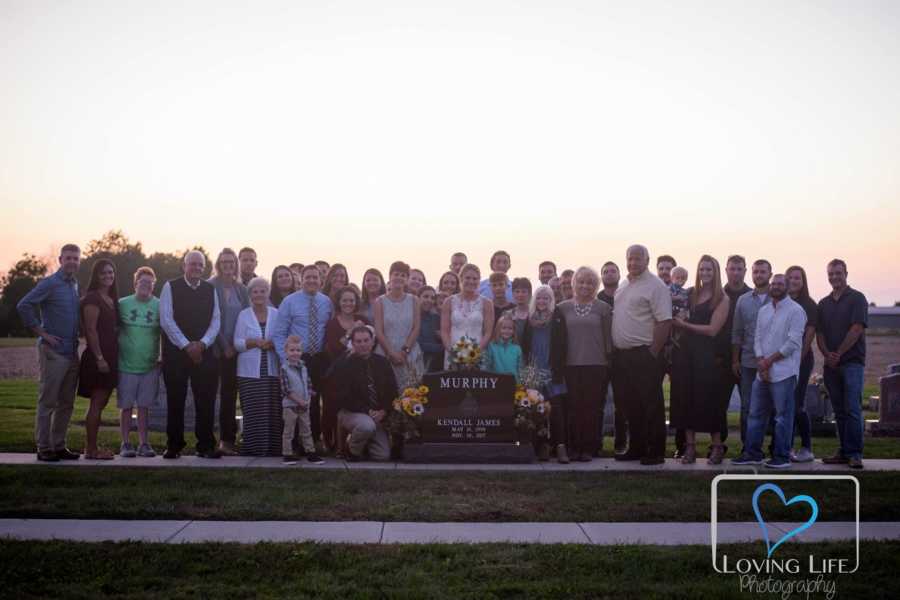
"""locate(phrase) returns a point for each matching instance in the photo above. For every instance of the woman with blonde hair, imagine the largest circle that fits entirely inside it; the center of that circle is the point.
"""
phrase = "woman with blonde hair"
(233, 299)
(698, 399)
(537, 340)
(580, 356)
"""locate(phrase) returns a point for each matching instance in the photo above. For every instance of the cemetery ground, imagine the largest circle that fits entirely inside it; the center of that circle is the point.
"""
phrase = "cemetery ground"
(31, 569)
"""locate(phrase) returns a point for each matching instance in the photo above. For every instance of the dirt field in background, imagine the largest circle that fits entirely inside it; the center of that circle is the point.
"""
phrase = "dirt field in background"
(881, 351)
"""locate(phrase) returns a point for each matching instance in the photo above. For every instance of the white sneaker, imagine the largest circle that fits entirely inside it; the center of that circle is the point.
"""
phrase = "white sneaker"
(803, 455)
(146, 451)
(126, 450)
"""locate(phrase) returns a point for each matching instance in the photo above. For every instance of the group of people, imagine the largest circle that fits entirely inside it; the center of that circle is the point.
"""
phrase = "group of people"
(317, 361)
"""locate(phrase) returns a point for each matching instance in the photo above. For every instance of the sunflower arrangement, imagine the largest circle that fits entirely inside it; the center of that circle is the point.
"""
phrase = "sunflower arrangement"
(465, 354)
(532, 414)
(408, 409)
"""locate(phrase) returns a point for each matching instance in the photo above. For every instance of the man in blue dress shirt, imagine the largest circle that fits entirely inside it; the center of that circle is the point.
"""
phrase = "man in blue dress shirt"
(51, 311)
(305, 314)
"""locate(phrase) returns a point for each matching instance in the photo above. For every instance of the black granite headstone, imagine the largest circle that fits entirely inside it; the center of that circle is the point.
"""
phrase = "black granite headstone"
(469, 418)
(889, 407)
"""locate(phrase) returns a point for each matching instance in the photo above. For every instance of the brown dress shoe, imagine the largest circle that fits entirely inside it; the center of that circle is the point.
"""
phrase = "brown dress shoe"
(836, 459)
(855, 463)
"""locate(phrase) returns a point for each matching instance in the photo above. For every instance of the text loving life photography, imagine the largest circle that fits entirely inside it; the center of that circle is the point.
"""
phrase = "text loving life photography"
(472, 299)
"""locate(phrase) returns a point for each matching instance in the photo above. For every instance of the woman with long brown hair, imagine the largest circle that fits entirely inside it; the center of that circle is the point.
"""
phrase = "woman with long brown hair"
(698, 401)
(335, 279)
(284, 283)
(98, 373)
(798, 289)
(372, 288)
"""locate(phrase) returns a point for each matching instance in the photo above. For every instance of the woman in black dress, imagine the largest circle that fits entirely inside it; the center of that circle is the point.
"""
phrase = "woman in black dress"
(698, 402)
(98, 372)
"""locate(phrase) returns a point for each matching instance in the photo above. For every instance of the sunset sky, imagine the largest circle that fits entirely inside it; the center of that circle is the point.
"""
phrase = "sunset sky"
(364, 132)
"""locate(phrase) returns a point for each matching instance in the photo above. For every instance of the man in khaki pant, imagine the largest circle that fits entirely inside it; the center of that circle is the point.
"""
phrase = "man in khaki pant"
(51, 311)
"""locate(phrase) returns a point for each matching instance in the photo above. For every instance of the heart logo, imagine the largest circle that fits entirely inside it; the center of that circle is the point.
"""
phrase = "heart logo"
(771, 487)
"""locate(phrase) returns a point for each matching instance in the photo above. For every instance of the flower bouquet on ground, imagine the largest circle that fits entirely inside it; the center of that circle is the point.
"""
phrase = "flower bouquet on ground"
(532, 410)
(465, 354)
(407, 411)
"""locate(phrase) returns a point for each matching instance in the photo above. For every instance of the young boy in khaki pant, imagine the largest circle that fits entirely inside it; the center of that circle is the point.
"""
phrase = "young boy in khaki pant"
(295, 398)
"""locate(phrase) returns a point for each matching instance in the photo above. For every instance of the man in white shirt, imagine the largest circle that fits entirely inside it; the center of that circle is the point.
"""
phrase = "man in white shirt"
(189, 318)
(779, 336)
(642, 321)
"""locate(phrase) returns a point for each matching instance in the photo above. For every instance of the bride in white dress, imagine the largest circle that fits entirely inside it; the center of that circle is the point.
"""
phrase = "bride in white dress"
(466, 313)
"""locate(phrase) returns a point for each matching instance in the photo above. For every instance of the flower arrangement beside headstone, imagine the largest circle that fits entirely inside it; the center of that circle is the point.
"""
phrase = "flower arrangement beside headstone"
(532, 410)
(407, 410)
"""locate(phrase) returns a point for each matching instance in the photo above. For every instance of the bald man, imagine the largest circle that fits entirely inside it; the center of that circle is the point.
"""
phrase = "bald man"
(189, 317)
(641, 324)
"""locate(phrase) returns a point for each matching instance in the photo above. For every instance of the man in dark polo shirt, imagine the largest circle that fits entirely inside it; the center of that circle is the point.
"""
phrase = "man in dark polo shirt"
(189, 317)
(841, 336)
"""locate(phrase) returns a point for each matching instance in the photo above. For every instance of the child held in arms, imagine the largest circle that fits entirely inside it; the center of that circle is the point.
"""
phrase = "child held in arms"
(504, 355)
(680, 296)
(680, 304)
(295, 404)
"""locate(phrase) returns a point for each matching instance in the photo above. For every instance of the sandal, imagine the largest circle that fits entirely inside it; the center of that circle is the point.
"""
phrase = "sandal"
(716, 455)
(690, 454)
(98, 454)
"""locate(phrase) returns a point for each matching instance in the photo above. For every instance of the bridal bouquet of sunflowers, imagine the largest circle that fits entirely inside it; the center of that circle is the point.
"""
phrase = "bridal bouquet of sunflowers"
(465, 354)
(408, 409)
(532, 410)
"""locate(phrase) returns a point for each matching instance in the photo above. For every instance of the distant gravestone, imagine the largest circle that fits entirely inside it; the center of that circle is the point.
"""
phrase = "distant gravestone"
(469, 418)
(889, 407)
(159, 412)
(821, 415)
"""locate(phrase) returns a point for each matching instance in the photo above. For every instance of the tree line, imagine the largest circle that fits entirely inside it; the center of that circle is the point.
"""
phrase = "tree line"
(126, 255)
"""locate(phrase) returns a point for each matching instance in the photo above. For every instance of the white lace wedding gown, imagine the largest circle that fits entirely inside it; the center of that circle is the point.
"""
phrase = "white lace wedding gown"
(466, 319)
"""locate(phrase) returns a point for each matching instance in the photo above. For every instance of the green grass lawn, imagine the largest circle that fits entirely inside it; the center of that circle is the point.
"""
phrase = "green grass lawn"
(14, 342)
(328, 495)
(138, 570)
(18, 398)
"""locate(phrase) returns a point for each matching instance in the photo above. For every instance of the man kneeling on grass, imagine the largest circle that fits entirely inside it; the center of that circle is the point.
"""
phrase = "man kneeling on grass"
(295, 398)
(366, 387)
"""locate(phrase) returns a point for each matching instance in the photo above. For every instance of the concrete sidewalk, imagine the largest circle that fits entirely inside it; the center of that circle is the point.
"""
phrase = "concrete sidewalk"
(377, 532)
(598, 464)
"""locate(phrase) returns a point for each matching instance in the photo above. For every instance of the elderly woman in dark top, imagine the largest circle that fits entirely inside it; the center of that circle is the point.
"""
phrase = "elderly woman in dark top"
(430, 331)
(233, 298)
(372, 287)
(283, 285)
(580, 353)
